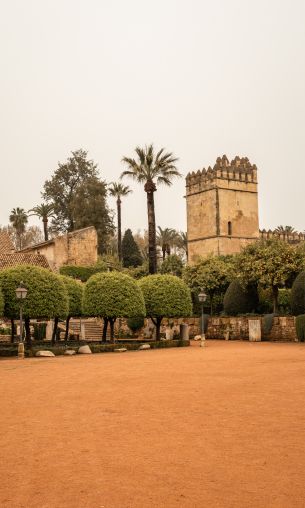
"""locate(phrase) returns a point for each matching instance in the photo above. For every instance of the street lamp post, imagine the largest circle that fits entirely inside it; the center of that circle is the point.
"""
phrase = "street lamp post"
(21, 293)
(202, 298)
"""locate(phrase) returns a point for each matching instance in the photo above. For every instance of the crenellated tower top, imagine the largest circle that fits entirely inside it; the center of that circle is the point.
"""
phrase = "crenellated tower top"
(238, 170)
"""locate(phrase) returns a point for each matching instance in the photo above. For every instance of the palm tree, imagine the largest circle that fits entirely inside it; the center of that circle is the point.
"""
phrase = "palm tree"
(151, 169)
(18, 218)
(181, 242)
(44, 212)
(165, 239)
(118, 190)
(285, 230)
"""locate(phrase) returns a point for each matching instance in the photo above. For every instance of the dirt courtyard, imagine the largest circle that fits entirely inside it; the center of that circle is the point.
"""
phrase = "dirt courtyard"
(221, 426)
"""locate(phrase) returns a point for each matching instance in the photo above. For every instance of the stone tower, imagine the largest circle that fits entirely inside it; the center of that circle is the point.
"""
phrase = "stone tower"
(222, 208)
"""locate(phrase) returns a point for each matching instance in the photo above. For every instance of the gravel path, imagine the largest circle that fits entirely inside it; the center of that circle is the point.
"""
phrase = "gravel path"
(221, 426)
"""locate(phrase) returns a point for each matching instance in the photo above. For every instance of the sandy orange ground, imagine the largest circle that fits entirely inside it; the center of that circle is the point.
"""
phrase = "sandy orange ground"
(222, 426)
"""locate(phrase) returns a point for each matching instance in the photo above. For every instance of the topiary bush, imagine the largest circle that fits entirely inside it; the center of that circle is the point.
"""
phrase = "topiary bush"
(165, 296)
(297, 297)
(300, 327)
(112, 295)
(135, 323)
(46, 297)
(75, 299)
(240, 300)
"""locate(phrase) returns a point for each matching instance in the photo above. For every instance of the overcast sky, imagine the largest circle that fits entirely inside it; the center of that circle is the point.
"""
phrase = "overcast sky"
(200, 77)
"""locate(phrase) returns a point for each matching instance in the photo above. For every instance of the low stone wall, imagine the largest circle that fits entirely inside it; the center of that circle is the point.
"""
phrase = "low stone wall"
(283, 328)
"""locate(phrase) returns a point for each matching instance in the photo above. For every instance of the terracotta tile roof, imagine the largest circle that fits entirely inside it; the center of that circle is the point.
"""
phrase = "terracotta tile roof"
(20, 258)
(6, 244)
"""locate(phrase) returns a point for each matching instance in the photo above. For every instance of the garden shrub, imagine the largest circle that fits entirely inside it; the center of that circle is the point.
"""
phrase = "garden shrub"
(298, 295)
(267, 323)
(240, 300)
(173, 264)
(300, 327)
(135, 323)
(1, 303)
(82, 273)
(112, 295)
(165, 295)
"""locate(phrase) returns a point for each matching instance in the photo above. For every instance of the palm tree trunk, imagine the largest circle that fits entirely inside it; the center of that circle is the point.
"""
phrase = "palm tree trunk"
(45, 229)
(152, 250)
(119, 229)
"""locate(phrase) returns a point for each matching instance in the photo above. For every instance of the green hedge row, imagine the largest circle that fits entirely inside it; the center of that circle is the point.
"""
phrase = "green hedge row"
(59, 349)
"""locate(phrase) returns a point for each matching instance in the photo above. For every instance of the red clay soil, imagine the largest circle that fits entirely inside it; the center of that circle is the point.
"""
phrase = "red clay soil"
(221, 426)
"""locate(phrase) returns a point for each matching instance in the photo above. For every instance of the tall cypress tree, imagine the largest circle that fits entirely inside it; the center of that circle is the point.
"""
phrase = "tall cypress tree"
(131, 255)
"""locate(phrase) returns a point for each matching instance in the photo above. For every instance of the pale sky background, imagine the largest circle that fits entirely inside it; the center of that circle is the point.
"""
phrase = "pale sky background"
(201, 78)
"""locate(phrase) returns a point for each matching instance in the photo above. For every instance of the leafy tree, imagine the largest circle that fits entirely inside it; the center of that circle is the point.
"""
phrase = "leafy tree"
(44, 212)
(18, 218)
(90, 209)
(138, 272)
(165, 296)
(173, 264)
(46, 297)
(239, 299)
(131, 255)
(75, 296)
(298, 295)
(118, 190)
(270, 263)
(78, 197)
(212, 274)
(112, 295)
(151, 169)
(165, 239)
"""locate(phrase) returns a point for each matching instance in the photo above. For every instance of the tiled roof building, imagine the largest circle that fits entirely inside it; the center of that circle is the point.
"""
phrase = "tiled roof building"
(6, 244)
(21, 258)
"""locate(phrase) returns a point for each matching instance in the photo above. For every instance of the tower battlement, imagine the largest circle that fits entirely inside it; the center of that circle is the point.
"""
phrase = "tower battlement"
(239, 169)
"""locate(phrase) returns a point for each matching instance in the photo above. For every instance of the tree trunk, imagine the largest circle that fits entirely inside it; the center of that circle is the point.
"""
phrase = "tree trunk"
(27, 331)
(112, 321)
(54, 329)
(211, 303)
(45, 229)
(119, 229)
(275, 295)
(67, 328)
(12, 330)
(150, 188)
(157, 322)
(104, 337)
(163, 252)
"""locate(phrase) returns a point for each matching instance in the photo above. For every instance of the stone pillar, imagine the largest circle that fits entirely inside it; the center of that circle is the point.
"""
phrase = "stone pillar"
(255, 333)
(82, 331)
(49, 330)
(184, 331)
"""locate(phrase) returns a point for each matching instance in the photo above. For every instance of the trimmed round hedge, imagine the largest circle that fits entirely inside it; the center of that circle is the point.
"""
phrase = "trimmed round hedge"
(239, 300)
(166, 295)
(46, 297)
(298, 295)
(112, 295)
(75, 295)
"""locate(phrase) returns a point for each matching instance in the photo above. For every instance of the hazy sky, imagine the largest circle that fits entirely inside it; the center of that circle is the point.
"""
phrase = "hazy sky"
(199, 77)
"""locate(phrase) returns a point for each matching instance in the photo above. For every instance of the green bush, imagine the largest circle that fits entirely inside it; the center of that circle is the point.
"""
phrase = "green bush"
(112, 295)
(5, 330)
(239, 300)
(82, 273)
(75, 295)
(173, 264)
(165, 296)
(135, 323)
(298, 295)
(46, 297)
(268, 323)
(39, 330)
(300, 327)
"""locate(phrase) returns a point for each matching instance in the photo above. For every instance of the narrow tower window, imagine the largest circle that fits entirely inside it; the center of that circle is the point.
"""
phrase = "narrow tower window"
(229, 228)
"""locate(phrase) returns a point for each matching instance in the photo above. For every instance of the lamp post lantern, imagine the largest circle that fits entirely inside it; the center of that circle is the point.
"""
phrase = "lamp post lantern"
(202, 298)
(21, 293)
